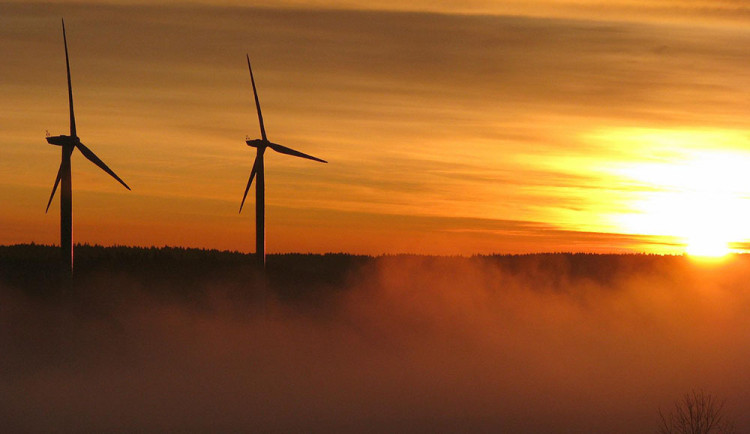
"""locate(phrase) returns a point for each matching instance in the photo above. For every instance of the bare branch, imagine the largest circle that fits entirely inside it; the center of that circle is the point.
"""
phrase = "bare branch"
(696, 413)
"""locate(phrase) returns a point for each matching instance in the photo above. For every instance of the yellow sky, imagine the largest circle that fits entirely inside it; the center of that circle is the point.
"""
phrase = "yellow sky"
(524, 126)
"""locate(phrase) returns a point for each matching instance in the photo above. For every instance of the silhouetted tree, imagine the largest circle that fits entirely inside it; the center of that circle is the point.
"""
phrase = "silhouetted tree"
(696, 413)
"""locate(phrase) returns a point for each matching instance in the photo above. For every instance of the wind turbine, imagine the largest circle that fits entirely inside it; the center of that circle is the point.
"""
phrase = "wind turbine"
(68, 145)
(260, 206)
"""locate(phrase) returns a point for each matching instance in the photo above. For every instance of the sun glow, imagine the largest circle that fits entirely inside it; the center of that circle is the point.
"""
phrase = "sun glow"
(697, 196)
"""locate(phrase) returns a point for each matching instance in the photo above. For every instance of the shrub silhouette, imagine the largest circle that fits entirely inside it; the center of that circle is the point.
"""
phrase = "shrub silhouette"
(696, 413)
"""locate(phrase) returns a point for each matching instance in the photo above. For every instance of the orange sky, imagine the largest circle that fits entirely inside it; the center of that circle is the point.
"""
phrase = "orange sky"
(450, 127)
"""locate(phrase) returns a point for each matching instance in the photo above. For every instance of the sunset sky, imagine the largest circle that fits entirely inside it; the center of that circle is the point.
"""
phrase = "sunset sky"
(450, 127)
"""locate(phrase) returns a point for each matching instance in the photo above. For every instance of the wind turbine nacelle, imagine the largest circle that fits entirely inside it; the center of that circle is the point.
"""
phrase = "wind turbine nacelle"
(61, 140)
(256, 143)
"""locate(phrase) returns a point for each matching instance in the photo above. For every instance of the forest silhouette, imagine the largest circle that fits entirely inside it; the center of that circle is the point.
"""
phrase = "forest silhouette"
(34, 269)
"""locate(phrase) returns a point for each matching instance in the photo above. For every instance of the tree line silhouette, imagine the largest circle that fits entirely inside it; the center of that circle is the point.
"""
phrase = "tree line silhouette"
(35, 269)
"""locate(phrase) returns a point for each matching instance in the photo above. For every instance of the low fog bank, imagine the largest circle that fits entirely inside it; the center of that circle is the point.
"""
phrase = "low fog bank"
(539, 343)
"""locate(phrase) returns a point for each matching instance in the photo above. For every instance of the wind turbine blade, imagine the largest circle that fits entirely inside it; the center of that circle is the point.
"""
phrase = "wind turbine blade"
(257, 103)
(54, 189)
(70, 87)
(94, 159)
(289, 151)
(249, 182)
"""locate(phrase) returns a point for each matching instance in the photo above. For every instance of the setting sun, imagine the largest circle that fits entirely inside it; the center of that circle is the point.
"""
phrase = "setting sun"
(707, 247)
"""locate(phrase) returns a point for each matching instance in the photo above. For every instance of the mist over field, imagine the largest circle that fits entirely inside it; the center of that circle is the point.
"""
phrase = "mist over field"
(523, 344)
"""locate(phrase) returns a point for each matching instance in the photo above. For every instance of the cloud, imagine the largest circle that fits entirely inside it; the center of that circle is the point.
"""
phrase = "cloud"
(695, 11)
